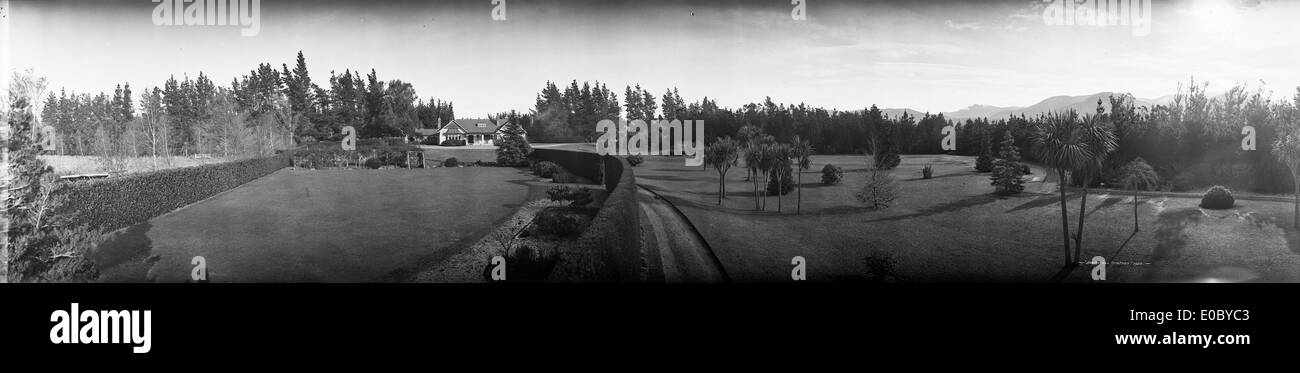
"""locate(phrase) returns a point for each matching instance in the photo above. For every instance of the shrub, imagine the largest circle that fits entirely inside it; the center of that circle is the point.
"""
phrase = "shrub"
(578, 196)
(545, 169)
(56, 255)
(786, 186)
(888, 161)
(431, 140)
(585, 164)
(832, 174)
(392, 157)
(1024, 169)
(984, 163)
(635, 160)
(374, 163)
(526, 264)
(880, 268)
(561, 221)
(563, 176)
(451, 162)
(1217, 198)
(927, 172)
(880, 189)
(453, 142)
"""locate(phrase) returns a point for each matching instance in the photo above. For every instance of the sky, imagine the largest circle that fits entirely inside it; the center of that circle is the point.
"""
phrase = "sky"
(930, 56)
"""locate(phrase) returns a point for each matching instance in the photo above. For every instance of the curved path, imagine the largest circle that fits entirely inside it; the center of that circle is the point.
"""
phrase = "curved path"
(681, 254)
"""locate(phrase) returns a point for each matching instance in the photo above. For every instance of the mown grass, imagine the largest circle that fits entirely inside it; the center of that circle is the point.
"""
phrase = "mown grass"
(952, 228)
(461, 153)
(320, 226)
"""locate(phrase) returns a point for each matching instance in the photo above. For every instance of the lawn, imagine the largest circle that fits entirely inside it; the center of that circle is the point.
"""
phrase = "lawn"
(952, 228)
(85, 164)
(300, 225)
(463, 154)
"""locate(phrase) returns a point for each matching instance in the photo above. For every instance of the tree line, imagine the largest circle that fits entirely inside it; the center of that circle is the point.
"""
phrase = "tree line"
(1190, 141)
(259, 112)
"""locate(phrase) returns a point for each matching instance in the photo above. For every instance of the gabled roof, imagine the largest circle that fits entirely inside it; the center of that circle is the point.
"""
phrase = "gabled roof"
(472, 126)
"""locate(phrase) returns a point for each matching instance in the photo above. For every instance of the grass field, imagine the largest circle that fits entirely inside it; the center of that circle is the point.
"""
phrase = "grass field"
(85, 164)
(464, 154)
(952, 228)
(320, 225)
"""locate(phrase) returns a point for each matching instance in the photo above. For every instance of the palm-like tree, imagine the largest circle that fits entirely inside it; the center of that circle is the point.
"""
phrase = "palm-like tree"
(780, 154)
(765, 164)
(753, 157)
(722, 154)
(803, 160)
(1139, 174)
(1077, 147)
(1098, 136)
(746, 136)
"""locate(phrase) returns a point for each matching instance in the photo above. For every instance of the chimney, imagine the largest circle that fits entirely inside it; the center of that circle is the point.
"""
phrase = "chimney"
(439, 123)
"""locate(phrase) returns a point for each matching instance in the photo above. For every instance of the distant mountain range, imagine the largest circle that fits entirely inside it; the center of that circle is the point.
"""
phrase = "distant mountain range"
(1082, 104)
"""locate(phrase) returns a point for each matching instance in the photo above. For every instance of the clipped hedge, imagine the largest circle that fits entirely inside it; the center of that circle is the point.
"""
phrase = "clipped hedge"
(1218, 198)
(610, 249)
(120, 202)
(579, 163)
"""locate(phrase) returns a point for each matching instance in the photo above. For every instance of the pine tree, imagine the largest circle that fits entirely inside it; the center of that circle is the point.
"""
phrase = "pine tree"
(513, 148)
(1007, 171)
(985, 161)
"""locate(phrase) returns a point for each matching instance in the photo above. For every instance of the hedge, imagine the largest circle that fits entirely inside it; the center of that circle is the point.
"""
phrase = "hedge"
(610, 249)
(585, 164)
(120, 202)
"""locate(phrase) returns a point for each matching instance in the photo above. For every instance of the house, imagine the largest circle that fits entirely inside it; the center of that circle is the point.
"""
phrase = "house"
(473, 131)
(424, 133)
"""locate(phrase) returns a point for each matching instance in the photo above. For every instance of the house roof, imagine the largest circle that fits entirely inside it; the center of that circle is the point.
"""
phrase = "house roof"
(472, 126)
(426, 131)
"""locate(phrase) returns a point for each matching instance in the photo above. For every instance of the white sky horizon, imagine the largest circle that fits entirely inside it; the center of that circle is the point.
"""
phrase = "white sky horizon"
(930, 56)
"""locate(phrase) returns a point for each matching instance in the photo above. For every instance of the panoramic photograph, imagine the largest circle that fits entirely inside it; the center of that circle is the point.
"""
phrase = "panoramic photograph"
(512, 141)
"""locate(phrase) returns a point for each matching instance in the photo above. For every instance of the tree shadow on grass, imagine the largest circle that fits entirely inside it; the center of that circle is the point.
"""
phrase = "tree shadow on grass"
(1121, 247)
(1286, 225)
(124, 255)
(1108, 202)
(972, 201)
(1044, 199)
(122, 246)
(1171, 232)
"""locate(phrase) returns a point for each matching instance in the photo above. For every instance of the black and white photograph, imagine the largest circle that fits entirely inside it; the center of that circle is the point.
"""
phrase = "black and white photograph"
(873, 144)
